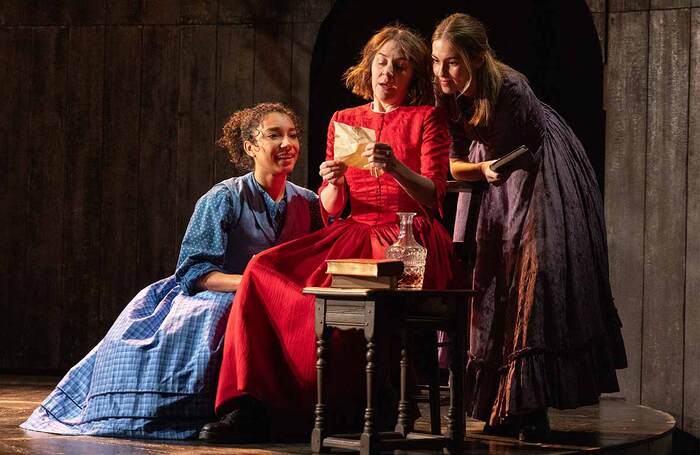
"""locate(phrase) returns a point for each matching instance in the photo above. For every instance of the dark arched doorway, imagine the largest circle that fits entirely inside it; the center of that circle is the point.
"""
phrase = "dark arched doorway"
(553, 42)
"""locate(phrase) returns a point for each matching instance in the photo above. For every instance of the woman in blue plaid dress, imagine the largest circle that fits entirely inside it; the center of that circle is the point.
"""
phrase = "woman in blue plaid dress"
(154, 373)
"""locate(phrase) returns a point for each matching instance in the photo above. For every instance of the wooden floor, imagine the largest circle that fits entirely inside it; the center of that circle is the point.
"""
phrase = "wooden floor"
(613, 427)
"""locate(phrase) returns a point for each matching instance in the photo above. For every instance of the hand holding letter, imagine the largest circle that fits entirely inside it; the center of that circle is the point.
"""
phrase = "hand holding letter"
(380, 158)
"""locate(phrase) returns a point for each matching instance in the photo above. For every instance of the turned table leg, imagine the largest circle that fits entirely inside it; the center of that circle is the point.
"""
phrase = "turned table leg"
(368, 439)
(456, 418)
(319, 431)
(405, 420)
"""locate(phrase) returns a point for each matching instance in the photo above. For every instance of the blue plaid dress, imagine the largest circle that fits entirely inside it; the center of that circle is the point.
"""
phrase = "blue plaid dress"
(154, 374)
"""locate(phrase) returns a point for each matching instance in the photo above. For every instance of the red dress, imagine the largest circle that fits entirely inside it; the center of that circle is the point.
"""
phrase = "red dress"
(269, 349)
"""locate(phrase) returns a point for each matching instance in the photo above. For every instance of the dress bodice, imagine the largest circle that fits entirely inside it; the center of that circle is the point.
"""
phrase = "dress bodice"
(231, 223)
(418, 138)
(518, 119)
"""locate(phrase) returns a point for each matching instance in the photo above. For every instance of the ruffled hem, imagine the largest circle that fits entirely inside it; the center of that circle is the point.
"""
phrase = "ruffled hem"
(535, 378)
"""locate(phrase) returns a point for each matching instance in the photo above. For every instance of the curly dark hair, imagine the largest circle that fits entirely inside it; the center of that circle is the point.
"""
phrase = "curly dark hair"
(241, 127)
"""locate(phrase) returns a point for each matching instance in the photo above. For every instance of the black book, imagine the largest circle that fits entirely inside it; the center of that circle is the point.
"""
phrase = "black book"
(512, 160)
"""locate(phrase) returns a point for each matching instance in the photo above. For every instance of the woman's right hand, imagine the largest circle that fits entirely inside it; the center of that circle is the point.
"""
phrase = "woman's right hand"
(333, 172)
(490, 176)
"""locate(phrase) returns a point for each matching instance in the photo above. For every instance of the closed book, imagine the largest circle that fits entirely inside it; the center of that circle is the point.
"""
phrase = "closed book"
(364, 267)
(364, 282)
(513, 160)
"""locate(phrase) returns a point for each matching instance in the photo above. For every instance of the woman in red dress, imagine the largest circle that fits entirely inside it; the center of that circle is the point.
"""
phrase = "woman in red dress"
(268, 370)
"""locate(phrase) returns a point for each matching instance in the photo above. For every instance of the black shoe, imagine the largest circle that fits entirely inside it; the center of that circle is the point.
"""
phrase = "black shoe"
(507, 429)
(248, 423)
(535, 427)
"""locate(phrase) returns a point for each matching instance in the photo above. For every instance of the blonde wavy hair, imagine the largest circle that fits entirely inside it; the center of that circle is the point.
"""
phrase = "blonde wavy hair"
(358, 78)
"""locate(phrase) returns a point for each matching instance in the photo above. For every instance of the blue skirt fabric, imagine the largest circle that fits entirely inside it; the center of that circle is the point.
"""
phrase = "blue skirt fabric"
(152, 376)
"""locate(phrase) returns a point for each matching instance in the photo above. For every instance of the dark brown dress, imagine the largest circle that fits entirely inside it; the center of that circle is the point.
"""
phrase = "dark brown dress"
(544, 331)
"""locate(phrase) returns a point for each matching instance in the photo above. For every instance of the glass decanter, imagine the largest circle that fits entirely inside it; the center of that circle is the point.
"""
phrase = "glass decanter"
(409, 251)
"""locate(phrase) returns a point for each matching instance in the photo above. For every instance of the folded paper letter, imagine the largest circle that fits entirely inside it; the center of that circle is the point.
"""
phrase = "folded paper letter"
(350, 142)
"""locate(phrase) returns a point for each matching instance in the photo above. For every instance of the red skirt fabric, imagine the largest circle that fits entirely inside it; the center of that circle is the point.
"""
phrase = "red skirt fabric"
(269, 347)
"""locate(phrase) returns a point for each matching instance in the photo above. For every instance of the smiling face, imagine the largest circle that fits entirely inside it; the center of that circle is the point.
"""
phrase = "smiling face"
(450, 69)
(276, 146)
(392, 74)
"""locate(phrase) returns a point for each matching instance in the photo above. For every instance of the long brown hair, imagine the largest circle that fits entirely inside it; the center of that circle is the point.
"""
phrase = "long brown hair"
(468, 36)
(358, 78)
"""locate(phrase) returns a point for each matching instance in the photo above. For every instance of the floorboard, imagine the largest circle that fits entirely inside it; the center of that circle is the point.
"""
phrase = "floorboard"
(613, 427)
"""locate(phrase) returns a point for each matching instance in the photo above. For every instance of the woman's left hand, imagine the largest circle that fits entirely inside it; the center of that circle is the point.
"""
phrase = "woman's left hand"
(380, 156)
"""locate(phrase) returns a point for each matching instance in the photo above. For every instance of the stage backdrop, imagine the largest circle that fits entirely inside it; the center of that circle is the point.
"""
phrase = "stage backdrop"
(109, 111)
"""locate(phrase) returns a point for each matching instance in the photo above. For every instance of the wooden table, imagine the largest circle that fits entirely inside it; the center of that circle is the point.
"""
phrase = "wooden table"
(380, 312)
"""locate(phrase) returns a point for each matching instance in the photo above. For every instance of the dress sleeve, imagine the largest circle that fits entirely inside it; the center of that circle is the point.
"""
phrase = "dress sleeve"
(330, 141)
(528, 115)
(434, 153)
(203, 248)
(459, 143)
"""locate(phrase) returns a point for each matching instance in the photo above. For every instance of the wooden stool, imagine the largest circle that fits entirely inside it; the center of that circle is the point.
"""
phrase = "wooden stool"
(379, 312)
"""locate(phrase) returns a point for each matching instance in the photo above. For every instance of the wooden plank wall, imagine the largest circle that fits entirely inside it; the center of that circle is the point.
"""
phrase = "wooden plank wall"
(691, 372)
(107, 127)
(652, 94)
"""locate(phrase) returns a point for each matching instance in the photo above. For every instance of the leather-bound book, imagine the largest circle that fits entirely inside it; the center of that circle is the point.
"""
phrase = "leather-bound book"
(364, 267)
(364, 282)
